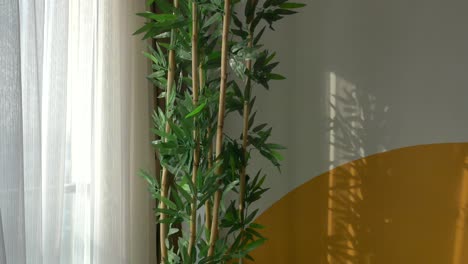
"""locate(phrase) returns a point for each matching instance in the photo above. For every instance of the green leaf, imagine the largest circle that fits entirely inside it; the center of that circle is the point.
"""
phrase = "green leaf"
(172, 231)
(196, 110)
(260, 183)
(256, 20)
(253, 232)
(166, 211)
(259, 35)
(249, 11)
(165, 200)
(277, 155)
(188, 182)
(183, 54)
(229, 187)
(254, 245)
(177, 130)
(291, 5)
(167, 46)
(275, 146)
(150, 56)
(144, 28)
(285, 12)
(237, 21)
(241, 33)
(163, 35)
(158, 17)
(163, 6)
(175, 196)
(252, 119)
(256, 226)
(275, 76)
(215, 18)
(251, 216)
(150, 179)
(259, 127)
(184, 193)
(213, 60)
(163, 134)
(271, 57)
(165, 221)
(157, 74)
(267, 3)
(252, 102)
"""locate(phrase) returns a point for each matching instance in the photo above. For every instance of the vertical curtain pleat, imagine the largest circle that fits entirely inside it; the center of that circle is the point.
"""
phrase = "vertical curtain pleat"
(11, 131)
(2, 241)
(109, 186)
(31, 34)
(54, 126)
(124, 229)
(81, 83)
(74, 131)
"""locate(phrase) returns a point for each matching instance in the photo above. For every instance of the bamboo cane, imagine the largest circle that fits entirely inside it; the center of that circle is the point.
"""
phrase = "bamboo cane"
(196, 151)
(165, 172)
(245, 130)
(219, 130)
(201, 78)
(208, 203)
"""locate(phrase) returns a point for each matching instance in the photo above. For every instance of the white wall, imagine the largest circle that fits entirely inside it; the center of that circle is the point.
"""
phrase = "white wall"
(412, 56)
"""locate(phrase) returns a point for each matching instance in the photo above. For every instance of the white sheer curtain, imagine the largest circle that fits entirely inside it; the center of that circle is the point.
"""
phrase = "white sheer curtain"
(74, 130)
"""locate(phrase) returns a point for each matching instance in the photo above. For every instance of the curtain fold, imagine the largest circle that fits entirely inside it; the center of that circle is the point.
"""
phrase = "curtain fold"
(74, 126)
(32, 36)
(11, 140)
(54, 128)
(2, 242)
(122, 104)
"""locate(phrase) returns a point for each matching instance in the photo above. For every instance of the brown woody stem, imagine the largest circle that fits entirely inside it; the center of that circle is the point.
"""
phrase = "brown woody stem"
(196, 151)
(219, 130)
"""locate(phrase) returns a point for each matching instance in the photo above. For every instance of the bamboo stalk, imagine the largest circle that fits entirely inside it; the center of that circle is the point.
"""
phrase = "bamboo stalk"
(164, 227)
(245, 130)
(201, 78)
(214, 222)
(165, 173)
(208, 202)
(208, 215)
(219, 130)
(196, 151)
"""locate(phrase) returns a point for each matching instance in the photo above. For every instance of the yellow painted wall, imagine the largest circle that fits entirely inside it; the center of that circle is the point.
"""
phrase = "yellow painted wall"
(401, 67)
(400, 206)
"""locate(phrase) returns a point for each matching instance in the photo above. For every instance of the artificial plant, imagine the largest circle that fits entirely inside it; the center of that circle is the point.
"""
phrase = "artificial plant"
(201, 62)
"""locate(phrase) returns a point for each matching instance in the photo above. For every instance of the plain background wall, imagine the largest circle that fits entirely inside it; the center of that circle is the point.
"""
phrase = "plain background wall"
(412, 56)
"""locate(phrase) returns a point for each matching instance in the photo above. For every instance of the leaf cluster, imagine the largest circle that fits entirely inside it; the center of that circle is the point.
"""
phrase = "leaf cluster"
(193, 126)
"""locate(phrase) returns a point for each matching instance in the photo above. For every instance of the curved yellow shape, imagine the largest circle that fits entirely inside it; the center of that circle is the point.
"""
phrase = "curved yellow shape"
(402, 206)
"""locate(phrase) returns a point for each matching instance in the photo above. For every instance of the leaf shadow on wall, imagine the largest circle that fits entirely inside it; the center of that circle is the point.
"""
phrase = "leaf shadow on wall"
(402, 207)
(405, 205)
(354, 116)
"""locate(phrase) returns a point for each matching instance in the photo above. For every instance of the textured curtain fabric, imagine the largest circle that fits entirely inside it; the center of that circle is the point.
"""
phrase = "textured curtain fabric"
(74, 130)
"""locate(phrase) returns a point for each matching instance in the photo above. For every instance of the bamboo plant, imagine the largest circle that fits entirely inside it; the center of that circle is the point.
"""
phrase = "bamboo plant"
(207, 70)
